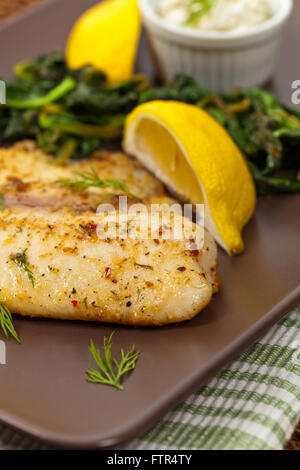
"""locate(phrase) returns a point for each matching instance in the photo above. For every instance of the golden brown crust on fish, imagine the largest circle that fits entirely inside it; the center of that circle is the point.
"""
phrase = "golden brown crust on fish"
(79, 276)
(27, 176)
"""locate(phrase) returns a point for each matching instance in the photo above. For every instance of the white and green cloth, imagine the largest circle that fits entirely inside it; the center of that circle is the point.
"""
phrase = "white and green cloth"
(253, 403)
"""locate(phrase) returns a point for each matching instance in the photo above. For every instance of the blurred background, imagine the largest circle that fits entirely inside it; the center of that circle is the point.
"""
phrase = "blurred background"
(10, 7)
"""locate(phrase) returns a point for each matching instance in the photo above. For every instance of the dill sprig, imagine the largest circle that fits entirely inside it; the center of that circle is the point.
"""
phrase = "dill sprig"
(6, 322)
(110, 370)
(2, 203)
(145, 266)
(90, 179)
(197, 9)
(20, 259)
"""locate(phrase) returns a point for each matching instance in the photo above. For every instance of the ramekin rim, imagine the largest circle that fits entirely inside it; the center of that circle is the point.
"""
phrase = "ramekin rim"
(277, 19)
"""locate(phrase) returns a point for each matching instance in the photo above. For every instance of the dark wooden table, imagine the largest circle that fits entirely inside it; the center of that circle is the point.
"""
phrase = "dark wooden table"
(10, 7)
(288, 70)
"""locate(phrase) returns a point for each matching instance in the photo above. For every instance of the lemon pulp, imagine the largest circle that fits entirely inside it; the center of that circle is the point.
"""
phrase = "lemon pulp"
(196, 158)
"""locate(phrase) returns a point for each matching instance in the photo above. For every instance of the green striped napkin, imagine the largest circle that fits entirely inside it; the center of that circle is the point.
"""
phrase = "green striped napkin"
(254, 403)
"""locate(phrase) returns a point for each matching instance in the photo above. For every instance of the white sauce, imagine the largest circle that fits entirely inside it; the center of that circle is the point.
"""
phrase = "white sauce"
(224, 15)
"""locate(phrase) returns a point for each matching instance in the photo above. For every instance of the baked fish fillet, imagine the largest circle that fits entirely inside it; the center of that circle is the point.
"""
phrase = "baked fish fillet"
(73, 274)
(27, 175)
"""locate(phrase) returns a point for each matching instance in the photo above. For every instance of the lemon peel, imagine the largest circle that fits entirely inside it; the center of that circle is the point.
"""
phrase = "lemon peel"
(197, 159)
(106, 36)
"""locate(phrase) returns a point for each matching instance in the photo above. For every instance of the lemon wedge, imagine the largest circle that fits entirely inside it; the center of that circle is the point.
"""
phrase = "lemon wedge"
(198, 161)
(106, 36)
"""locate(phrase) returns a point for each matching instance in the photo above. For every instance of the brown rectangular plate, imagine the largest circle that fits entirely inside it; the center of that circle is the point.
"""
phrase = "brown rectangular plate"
(43, 386)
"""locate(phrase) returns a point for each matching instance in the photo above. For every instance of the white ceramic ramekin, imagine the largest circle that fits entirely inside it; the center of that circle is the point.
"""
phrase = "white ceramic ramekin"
(217, 60)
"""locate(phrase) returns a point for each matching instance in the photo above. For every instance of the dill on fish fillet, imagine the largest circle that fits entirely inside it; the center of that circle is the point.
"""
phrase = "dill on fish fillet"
(90, 179)
(20, 259)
